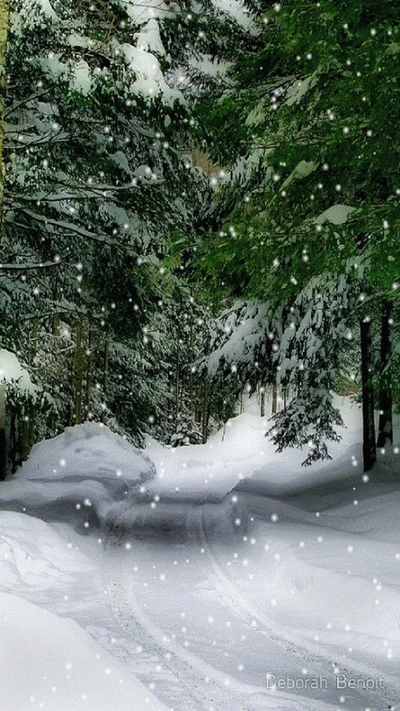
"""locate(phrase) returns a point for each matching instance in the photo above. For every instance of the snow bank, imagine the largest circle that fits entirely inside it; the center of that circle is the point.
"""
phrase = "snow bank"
(39, 560)
(332, 576)
(84, 475)
(51, 663)
(303, 580)
(240, 453)
(89, 450)
(48, 661)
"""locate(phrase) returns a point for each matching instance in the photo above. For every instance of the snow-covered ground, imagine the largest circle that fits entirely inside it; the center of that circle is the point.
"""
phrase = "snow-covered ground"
(231, 579)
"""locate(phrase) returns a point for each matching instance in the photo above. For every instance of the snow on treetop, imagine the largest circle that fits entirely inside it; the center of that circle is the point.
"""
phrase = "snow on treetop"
(143, 62)
(302, 170)
(77, 40)
(300, 88)
(336, 214)
(150, 80)
(256, 117)
(46, 9)
(31, 13)
(149, 40)
(147, 9)
(11, 370)
(236, 10)
(239, 332)
(82, 77)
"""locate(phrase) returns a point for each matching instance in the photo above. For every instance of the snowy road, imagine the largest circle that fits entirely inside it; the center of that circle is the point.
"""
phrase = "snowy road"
(228, 581)
(205, 643)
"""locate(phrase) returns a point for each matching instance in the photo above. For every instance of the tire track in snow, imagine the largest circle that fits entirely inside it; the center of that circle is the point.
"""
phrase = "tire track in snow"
(190, 683)
(256, 620)
(134, 623)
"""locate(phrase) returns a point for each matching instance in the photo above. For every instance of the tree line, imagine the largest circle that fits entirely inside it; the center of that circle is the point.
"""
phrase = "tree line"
(145, 291)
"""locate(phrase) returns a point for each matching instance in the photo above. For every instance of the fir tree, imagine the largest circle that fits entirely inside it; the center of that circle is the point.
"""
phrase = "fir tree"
(311, 121)
(95, 194)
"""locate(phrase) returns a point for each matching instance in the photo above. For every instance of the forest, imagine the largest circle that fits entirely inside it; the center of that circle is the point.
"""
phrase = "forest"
(199, 200)
(199, 355)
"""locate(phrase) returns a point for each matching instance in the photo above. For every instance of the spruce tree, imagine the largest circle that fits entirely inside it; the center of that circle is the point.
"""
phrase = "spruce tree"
(4, 20)
(310, 124)
(96, 193)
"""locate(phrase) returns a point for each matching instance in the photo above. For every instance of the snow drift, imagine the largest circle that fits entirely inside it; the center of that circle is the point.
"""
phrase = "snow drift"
(85, 475)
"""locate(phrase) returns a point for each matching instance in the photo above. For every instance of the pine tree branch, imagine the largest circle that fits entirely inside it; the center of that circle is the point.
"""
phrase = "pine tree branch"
(28, 266)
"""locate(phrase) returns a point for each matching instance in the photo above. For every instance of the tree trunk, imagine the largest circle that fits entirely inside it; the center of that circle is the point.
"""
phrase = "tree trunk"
(106, 364)
(35, 329)
(4, 20)
(262, 401)
(177, 373)
(106, 370)
(3, 452)
(205, 414)
(24, 434)
(56, 319)
(208, 410)
(385, 430)
(14, 455)
(89, 368)
(198, 401)
(369, 447)
(79, 366)
(274, 398)
(191, 358)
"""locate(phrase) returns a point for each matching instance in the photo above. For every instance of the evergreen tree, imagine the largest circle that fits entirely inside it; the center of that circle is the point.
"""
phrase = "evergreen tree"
(95, 195)
(312, 121)
(4, 19)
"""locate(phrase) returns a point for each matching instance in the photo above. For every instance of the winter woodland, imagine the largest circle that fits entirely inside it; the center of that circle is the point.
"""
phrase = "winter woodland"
(199, 355)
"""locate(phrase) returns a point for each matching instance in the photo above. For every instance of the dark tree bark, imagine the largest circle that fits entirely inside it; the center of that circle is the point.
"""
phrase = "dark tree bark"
(274, 398)
(262, 403)
(34, 342)
(79, 368)
(4, 21)
(191, 359)
(177, 383)
(3, 452)
(206, 412)
(89, 371)
(385, 429)
(56, 320)
(106, 368)
(369, 446)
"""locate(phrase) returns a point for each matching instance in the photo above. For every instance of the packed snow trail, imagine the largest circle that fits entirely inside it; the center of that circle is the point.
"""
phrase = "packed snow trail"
(217, 643)
(211, 572)
(208, 675)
